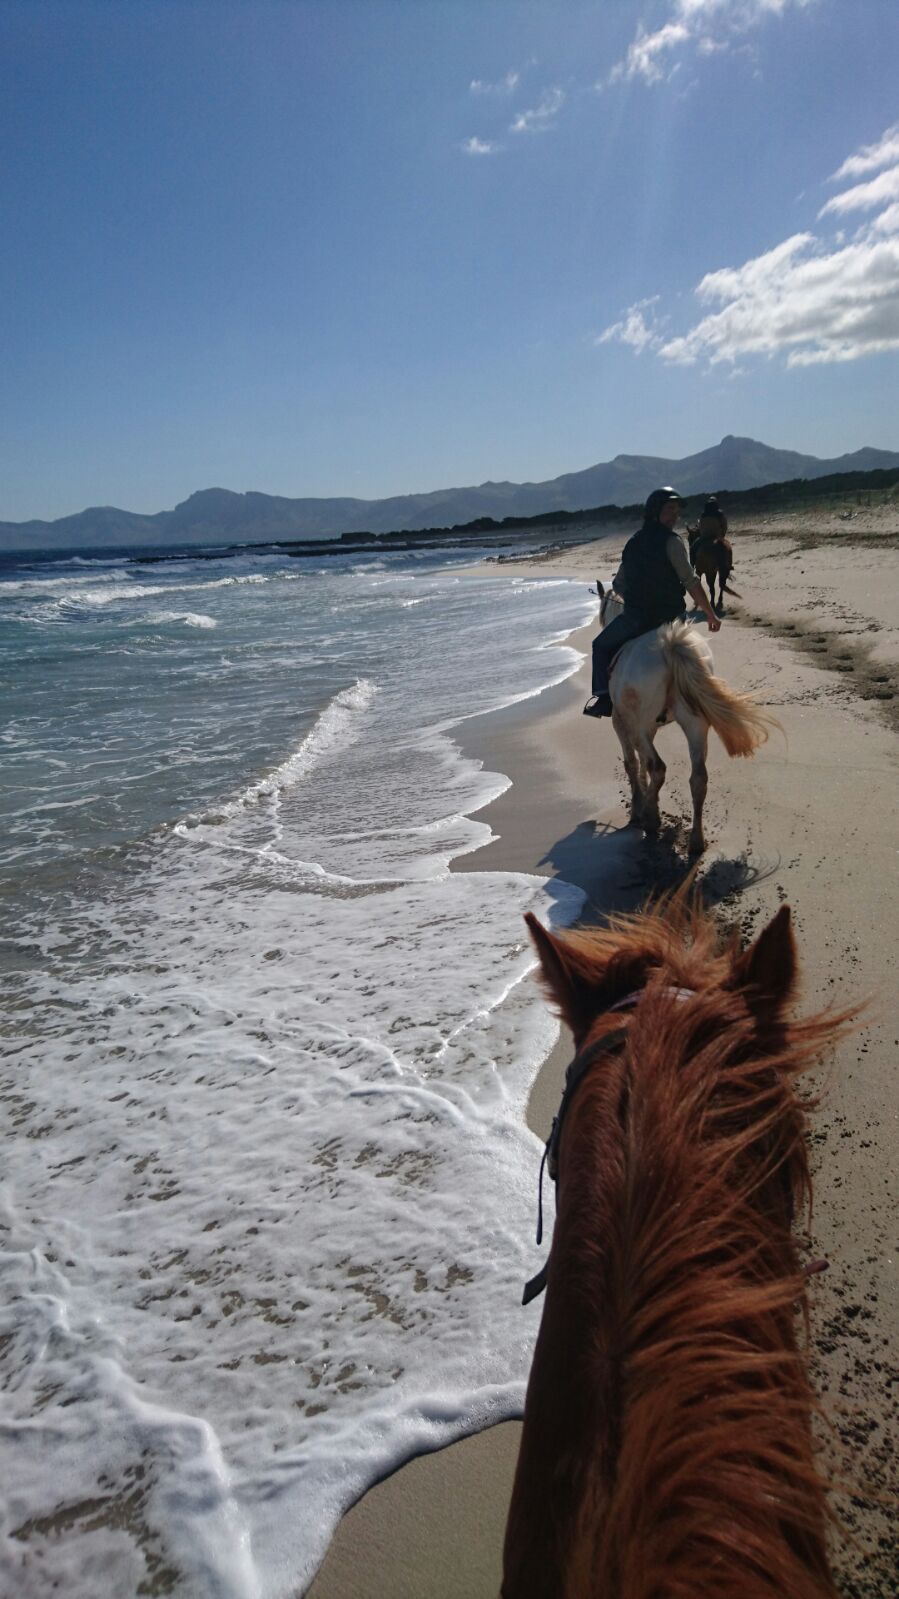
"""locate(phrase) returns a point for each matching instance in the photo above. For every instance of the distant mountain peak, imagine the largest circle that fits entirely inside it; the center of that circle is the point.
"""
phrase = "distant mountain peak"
(209, 496)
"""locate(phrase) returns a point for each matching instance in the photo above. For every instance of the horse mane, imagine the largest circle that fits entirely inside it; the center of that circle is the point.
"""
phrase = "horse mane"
(683, 1162)
(610, 602)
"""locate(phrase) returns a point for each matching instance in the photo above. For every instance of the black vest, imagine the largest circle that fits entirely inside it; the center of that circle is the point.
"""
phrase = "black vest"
(711, 525)
(652, 587)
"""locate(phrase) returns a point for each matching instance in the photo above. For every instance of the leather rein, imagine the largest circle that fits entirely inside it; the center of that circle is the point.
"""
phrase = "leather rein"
(574, 1076)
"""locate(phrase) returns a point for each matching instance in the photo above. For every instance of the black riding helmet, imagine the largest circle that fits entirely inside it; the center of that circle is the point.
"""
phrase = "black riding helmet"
(657, 499)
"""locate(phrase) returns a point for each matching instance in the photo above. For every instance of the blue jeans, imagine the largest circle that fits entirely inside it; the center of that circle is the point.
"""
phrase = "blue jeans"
(609, 642)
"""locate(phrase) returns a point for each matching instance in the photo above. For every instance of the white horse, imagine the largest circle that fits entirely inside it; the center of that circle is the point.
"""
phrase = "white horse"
(667, 676)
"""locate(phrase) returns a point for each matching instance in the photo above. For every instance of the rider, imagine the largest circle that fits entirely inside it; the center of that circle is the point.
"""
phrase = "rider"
(654, 573)
(712, 524)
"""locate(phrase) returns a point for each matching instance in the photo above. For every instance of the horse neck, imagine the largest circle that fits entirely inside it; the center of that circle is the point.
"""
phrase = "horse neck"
(612, 605)
(671, 1388)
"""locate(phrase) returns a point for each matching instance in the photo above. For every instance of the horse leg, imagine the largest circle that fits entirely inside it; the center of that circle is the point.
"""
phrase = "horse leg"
(631, 766)
(696, 730)
(724, 565)
(656, 769)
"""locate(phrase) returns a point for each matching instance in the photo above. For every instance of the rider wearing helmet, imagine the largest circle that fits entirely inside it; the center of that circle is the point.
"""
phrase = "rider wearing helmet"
(713, 522)
(712, 525)
(654, 574)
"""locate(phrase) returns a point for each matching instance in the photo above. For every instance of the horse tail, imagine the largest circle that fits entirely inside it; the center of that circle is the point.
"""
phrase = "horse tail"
(740, 724)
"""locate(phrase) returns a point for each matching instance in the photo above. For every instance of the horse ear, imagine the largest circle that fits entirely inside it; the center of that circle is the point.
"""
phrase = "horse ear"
(562, 975)
(768, 968)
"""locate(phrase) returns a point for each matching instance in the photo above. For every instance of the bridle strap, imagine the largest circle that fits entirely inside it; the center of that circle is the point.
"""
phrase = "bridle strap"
(574, 1076)
(535, 1285)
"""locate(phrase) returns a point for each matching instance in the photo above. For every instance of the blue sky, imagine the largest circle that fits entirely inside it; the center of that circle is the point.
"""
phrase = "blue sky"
(378, 246)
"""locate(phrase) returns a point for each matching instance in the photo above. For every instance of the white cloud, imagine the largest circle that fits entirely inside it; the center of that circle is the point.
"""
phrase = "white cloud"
(633, 328)
(865, 196)
(644, 56)
(542, 116)
(814, 304)
(871, 156)
(476, 146)
(709, 25)
(888, 221)
(810, 299)
(506, 85)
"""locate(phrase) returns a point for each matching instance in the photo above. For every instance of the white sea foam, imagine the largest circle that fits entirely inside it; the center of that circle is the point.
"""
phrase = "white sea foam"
(99, 560)
(117, 593)
(189, 618)
(39, 586)
(250, 1272)
(338, 724)
(270, 1203)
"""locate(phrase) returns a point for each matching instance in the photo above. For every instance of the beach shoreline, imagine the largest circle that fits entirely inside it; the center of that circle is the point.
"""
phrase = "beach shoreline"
(787, 825)
(435, 1526)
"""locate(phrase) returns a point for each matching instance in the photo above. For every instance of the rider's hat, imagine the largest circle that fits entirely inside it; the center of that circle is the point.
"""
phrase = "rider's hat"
(658, 498)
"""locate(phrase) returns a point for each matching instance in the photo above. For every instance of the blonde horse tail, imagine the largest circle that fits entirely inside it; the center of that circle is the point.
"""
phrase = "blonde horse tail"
(740, 724)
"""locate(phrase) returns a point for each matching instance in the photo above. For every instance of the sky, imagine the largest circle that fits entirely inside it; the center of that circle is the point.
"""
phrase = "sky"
(373, 247)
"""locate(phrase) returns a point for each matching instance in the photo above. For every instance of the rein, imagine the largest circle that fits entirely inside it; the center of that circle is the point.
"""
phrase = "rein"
(574, 1076)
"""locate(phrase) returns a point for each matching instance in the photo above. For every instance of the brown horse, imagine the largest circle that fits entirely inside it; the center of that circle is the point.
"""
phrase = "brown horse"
(713, 559)
(666, 1451)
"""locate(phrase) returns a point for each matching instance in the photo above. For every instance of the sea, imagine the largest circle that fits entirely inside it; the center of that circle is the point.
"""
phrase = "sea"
(267, 1195)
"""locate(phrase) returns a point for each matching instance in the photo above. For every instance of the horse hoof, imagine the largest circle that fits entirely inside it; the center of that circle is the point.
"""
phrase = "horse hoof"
(697, 846)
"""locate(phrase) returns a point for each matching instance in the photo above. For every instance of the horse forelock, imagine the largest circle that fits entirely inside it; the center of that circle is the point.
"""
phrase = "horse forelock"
(608, 963)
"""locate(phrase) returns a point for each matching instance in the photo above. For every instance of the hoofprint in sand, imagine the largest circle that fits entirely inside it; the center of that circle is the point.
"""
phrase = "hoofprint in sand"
(811, 820)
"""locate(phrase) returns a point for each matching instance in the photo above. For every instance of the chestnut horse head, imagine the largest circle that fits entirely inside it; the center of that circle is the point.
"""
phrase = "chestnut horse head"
(666, 1451)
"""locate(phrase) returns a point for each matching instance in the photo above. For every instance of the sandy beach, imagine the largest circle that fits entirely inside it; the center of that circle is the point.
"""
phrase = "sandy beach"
(810, 821)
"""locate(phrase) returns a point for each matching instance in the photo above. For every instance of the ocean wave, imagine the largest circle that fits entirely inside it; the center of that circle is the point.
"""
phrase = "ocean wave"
(99, 560)
(124, 592)
(338, 724)
(526, 585)
(39, 587)
(339, 721)
(189, 618)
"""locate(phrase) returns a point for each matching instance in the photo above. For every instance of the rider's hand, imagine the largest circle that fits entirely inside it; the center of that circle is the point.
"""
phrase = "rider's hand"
(714, 624)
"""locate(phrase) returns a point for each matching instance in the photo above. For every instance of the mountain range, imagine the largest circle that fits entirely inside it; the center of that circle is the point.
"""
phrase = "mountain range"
(215, 516)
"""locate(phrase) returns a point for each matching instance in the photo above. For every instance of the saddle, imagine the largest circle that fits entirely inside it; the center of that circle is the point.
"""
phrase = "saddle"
(720, 545)
(653, 628)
